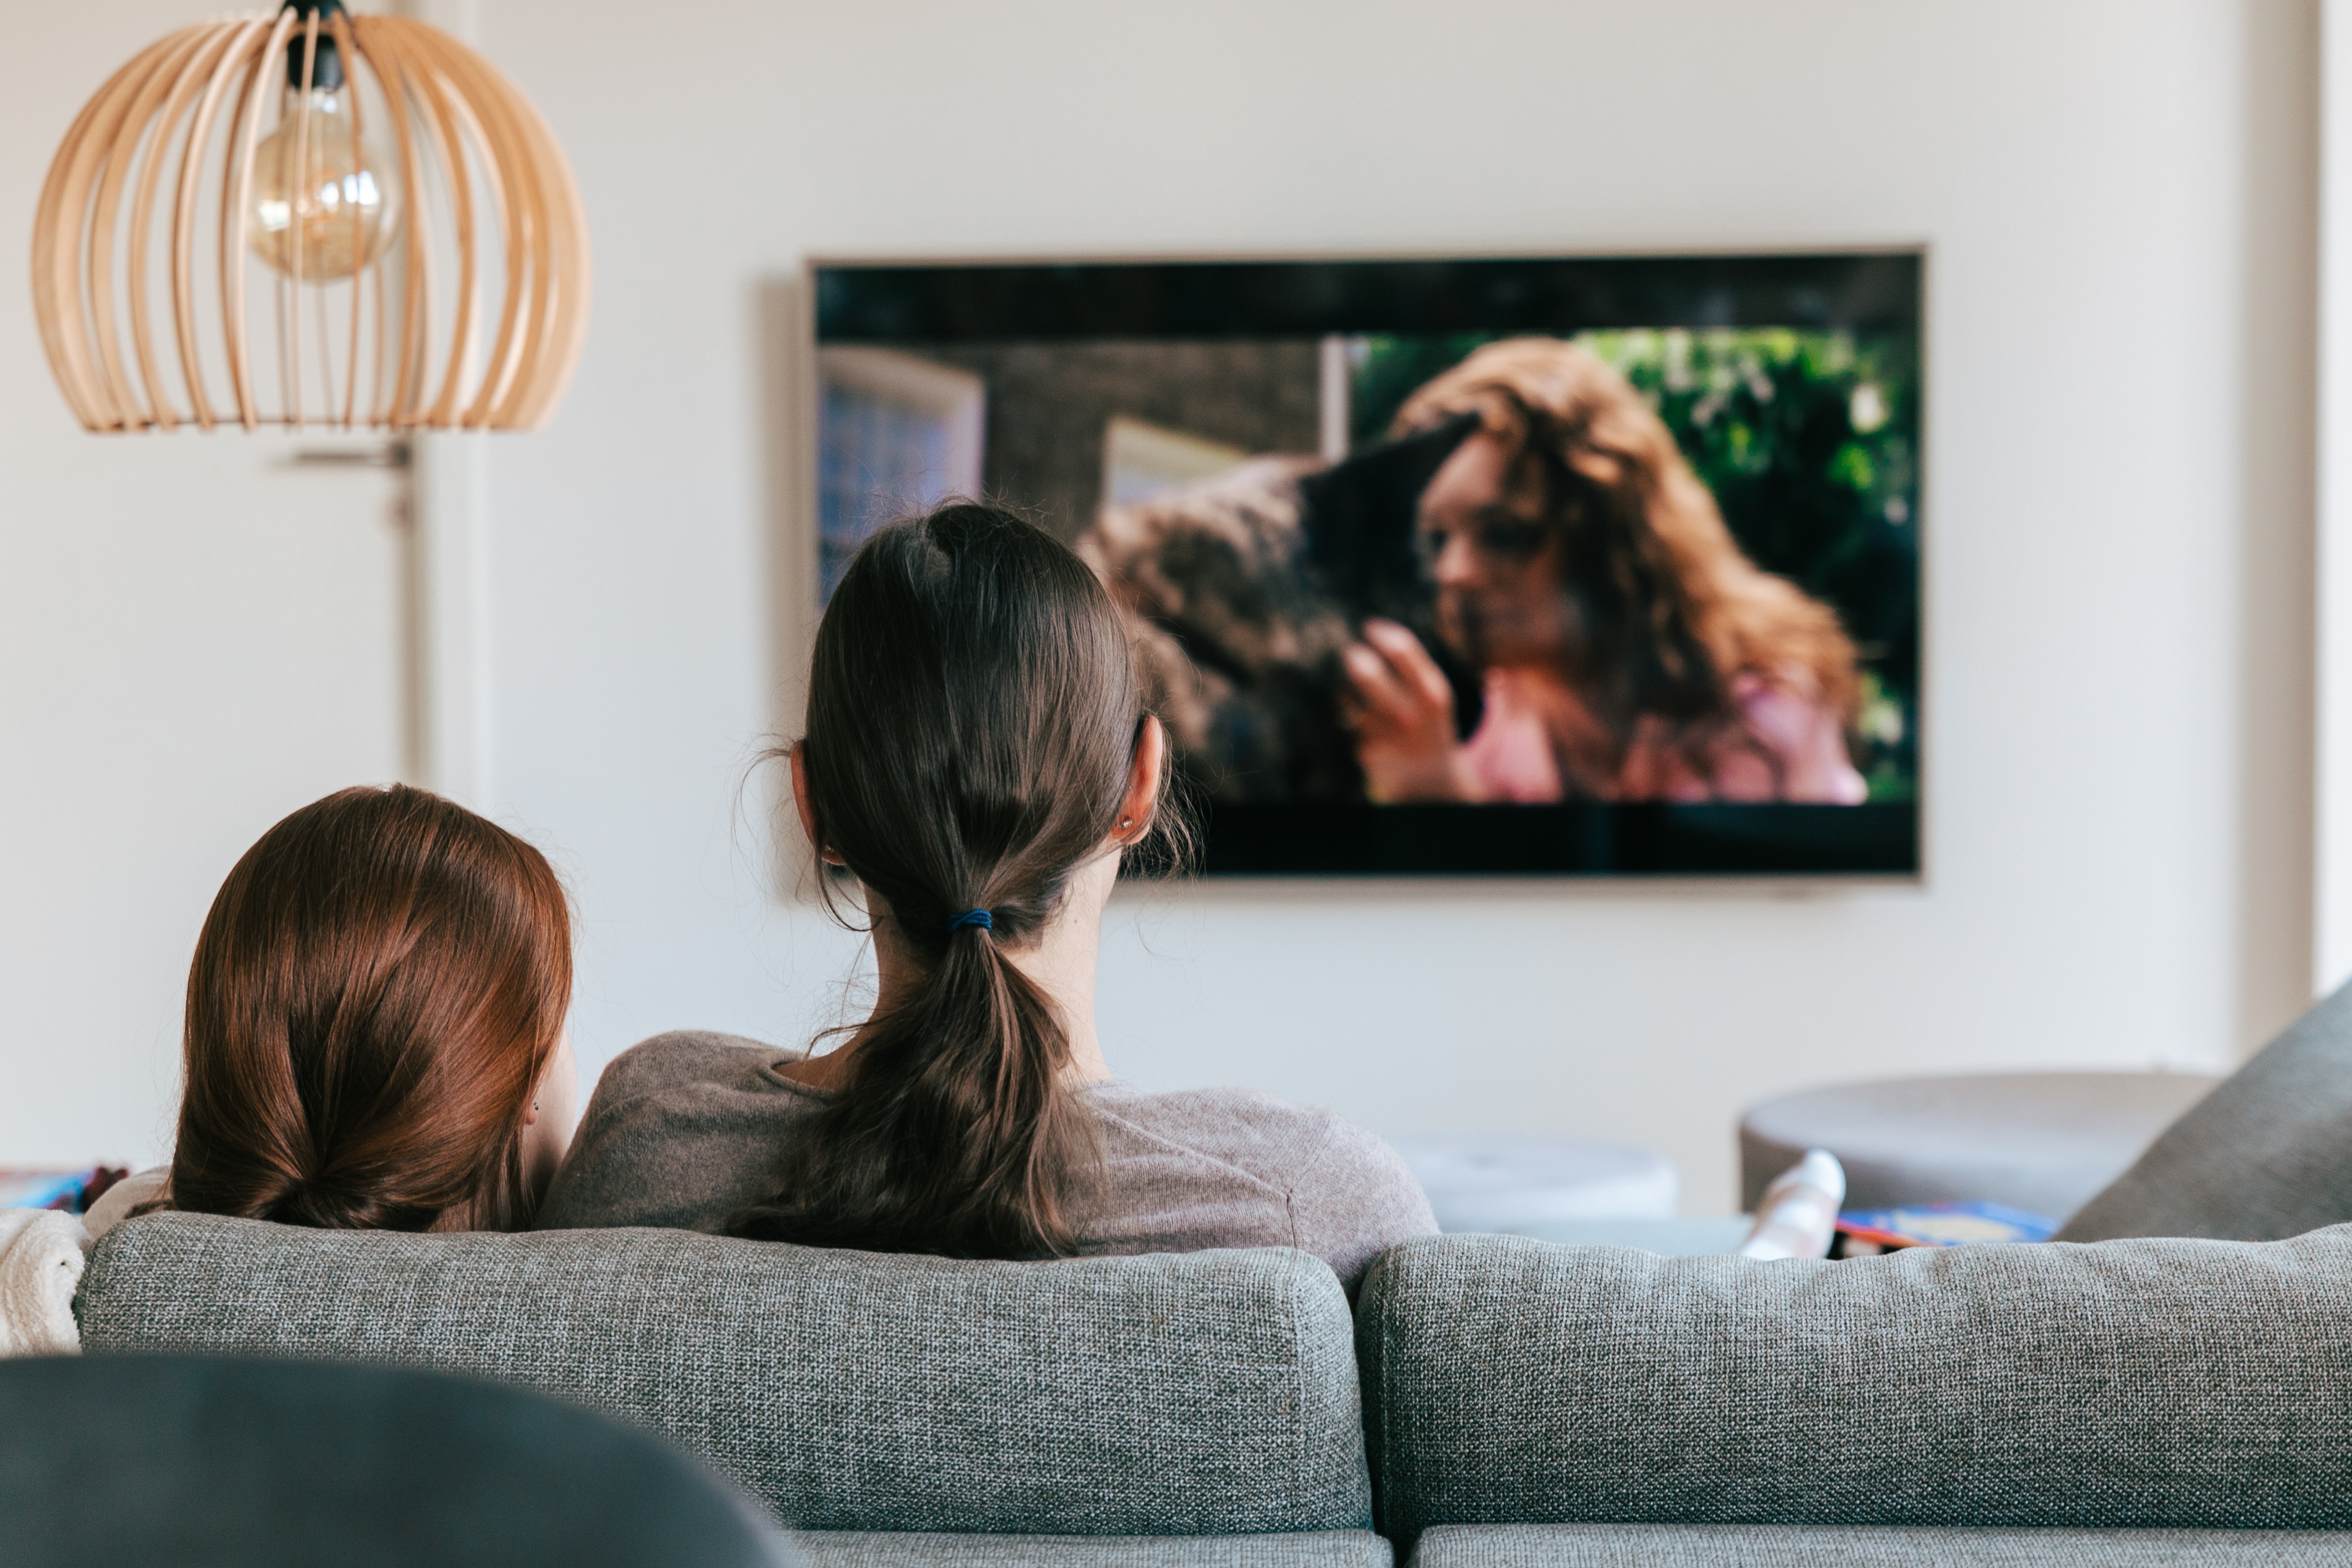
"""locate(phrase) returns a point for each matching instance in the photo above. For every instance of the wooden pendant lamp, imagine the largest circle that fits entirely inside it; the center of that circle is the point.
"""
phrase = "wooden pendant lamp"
(314, 219)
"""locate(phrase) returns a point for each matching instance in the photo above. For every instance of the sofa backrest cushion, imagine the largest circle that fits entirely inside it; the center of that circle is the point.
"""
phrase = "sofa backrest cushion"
(2192, 1383)
(1212, 1393)
(2262, 1156)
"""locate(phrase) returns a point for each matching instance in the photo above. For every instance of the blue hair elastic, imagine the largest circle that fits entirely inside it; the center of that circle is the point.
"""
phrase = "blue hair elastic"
(980, 918)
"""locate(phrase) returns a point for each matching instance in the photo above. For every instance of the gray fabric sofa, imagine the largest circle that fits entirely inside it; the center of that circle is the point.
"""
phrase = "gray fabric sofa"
(2198, 1394)
(2262, 1157)
(1180, 1409)
(2133, 1403)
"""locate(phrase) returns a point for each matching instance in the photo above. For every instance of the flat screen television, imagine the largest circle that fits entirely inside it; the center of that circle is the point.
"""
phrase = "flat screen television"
(1585, 565)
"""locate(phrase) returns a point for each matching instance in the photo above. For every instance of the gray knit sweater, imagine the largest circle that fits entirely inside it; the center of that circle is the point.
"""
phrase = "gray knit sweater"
(687, 1128)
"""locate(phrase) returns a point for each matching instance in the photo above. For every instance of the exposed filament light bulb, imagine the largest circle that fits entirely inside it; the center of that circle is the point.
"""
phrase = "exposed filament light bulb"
(320, 180)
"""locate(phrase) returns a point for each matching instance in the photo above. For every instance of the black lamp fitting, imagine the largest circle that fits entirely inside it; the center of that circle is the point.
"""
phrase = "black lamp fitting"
(327, 68)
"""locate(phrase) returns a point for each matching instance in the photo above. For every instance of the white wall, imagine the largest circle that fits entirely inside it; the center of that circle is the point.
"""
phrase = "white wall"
(2117, 194)
(2332, 846)
(194, 640)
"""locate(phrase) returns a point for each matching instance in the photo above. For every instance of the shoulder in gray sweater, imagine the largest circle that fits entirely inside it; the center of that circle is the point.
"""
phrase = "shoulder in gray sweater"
(685, 1129)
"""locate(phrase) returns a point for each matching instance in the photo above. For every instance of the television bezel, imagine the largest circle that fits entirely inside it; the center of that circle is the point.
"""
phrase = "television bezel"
(1778, 845)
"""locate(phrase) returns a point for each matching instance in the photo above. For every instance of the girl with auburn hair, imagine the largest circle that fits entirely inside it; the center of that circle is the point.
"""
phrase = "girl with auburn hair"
(1630, 650)
(374, 1033)
(980, 759)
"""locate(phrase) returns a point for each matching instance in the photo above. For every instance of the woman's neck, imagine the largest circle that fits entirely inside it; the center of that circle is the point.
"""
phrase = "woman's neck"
(1587, 751)
(1060, 962)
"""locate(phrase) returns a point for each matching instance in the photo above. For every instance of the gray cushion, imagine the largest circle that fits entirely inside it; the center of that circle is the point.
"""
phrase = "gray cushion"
(1317, 1549)
(2158, 1383)
(2267, 1154)
(1201, 1394)
(1803, 1546)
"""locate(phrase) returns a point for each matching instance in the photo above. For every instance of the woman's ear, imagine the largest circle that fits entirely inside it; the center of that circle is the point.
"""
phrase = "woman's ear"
(805, 803)
(1143, 776)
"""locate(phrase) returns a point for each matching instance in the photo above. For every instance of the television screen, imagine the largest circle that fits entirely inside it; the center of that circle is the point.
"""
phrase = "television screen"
(1595, 565)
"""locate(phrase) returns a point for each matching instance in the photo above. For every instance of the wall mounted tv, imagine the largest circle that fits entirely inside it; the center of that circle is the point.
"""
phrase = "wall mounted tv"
(1589, 565)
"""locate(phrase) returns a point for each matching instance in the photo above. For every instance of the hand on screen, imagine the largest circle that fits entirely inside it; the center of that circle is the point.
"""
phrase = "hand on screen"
(1402, 710)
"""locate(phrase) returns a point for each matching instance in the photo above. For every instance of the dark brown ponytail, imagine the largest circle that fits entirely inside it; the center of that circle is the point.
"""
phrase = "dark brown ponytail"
(974, 714)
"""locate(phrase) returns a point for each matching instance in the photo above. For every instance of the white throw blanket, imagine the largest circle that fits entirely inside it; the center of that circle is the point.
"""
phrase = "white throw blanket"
(40, 1265)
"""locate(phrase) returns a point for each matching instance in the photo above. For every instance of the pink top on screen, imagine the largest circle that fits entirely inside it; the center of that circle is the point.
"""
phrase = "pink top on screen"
(1788, 747)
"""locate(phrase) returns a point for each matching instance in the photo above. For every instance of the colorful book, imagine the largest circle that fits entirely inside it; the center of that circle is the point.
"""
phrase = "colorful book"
(42, 1189)
(1943, 1225)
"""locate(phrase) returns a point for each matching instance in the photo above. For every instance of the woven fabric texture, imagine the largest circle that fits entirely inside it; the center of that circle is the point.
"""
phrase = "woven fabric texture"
(2262, 1156)
(1205, 1394)
(1317, 1549)
(1806, 1546)
(2156, 1384)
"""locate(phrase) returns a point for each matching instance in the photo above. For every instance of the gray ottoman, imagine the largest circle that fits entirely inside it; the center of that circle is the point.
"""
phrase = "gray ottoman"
(1499, 1181)
(2044, 1143)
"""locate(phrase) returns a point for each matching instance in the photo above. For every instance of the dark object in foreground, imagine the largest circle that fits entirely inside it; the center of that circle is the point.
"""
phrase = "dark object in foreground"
(201, 1462)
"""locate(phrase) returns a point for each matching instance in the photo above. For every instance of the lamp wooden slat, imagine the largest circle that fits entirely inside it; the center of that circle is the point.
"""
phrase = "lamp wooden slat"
(120, 158)
(290, 297)
(385, 62)
(490, 220)
(95, 157)
(441, 122)
(62, 229)
(350, 57)
(236, 205)
(235, 54)
(194, 66)
(507, 177)
(57, 286)
(556, 348)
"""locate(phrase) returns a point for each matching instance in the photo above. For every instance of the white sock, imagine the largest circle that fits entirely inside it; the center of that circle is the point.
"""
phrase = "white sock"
(1797, 1217)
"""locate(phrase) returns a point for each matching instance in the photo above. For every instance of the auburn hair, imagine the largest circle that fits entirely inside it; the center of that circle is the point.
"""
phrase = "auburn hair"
(377, 992)
(1668, 609)
(974, 714)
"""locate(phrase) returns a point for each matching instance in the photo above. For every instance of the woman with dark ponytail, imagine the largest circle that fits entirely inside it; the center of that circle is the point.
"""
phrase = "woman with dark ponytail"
(978, 759)
(374, 1035)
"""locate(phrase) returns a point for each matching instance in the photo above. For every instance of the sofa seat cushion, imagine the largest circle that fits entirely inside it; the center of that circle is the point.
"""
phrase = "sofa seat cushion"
(1311, 1549)
(1836, 1546)
(1209, 1394)
(2131, 1383)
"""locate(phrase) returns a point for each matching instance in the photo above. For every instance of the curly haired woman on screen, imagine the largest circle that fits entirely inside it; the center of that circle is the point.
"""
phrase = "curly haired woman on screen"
(1630, 649)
